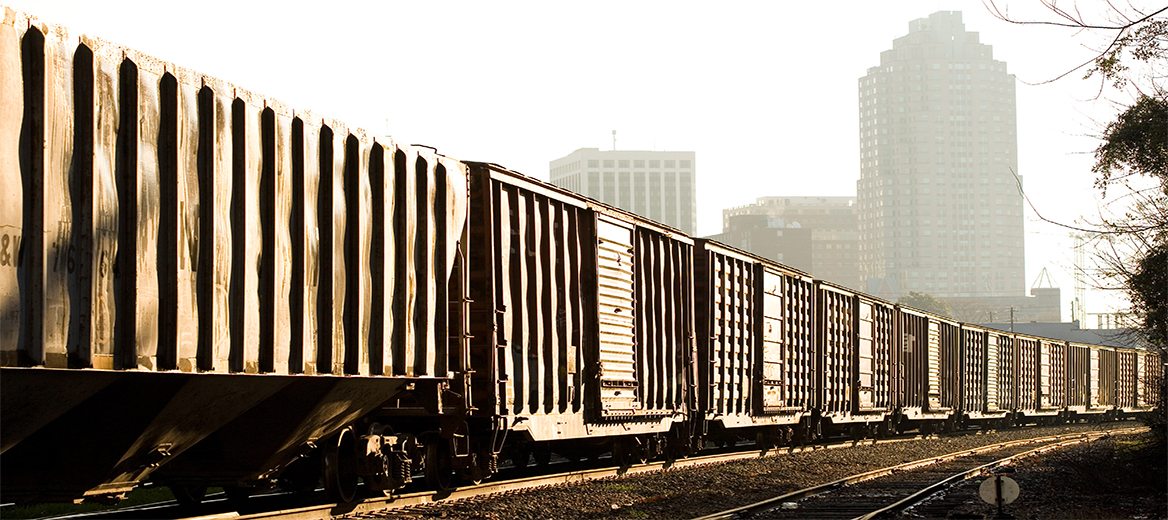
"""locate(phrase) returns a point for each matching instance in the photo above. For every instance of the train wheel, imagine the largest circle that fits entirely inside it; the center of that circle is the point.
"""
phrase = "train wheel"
(521, 457)
(338, 468)
(439, 471)
(630, 451)
(189, 495)
(542, 454)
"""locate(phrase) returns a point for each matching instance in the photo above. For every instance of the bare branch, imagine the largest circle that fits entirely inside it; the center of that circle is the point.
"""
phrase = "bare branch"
(1073, 22)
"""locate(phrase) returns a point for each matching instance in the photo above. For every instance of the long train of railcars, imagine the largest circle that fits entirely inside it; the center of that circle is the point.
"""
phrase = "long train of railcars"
(200, 286)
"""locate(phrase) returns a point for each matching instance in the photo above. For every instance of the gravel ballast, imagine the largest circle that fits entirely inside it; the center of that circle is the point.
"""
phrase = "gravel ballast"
(696, 491)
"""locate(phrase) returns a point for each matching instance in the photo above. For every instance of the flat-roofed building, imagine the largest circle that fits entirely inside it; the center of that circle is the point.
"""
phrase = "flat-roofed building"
(657, 185)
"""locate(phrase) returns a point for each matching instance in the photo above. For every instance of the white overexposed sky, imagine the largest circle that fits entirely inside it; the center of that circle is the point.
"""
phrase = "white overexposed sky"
(765, 93)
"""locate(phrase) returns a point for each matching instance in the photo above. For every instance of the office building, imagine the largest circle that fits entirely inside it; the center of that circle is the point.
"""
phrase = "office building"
(657, 185)
(771, 238)
(832, 252)
(939, 208)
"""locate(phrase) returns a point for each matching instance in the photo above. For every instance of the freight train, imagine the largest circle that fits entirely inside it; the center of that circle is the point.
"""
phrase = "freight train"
(200, 286)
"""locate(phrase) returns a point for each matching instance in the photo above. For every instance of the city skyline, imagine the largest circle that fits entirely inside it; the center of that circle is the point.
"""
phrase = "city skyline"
(551, 78)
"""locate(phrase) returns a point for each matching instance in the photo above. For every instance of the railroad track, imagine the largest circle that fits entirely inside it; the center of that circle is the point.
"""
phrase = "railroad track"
(286, 506)
(884, 492)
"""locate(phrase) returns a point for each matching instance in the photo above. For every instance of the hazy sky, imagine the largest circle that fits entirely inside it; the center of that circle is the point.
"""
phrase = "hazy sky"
(764, 92)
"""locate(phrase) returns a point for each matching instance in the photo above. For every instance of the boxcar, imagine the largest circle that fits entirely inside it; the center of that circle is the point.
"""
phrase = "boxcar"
(1037, 391)
(755, 346)
(930, 360)
(1002, 380)
(582, 321)
(1090, 381)
(205, 278)
(854, 359)
(981, 360)
(1149, 380)
(1139, 375)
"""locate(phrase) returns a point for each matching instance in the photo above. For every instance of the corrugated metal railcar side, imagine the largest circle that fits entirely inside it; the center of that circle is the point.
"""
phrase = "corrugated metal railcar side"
(1026, 349)
(854, 338)
(980, 365)
(582, 315)
(1105, 378)
(163, 233)
(1082, 376)
(1005, 383)
(836, 343)
(1126, 379)
(755, 353)
(876, 355)
(788, 331)
(1149, 376)
(1053, 366)
(931, 353)
(1090, 379)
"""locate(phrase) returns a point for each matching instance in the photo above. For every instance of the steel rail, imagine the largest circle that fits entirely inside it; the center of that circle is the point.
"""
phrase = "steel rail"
(422, 498)
(378, 504)
(771, 503)
(943, 484)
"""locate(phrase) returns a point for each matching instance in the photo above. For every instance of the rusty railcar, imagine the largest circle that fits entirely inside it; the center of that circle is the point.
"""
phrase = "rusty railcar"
(755, 346)
(582, 321)
(1091, 376)
(930, 350)
(1053, 396)
(854, 339)
(1148, 380)
(1002, 380)
(198, 278)
(1041, 396)
(981, 361)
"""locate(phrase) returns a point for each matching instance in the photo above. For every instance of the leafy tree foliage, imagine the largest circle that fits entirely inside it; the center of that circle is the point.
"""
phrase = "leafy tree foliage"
(1136, 142)
(926, 302)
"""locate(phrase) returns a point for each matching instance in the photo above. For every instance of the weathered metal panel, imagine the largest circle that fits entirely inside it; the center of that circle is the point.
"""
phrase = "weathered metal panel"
(791, 310)
(974, 347)
(1126, 379)
(993, 389)
(1007, 373)
(1029, 372)
(729, 335)
(931, 354)
(836, 338)
(530, 261)
(934, 394)
(167, 225)
(775, 379)
(1105, 376)
(949, 363)
(215, 228)
(1081, 386)
(664, 330)
(1149, 374)
(914, 346)
(616, 274)
(1053, 375)
(12, 113)
(876, 322)
(1044, 375)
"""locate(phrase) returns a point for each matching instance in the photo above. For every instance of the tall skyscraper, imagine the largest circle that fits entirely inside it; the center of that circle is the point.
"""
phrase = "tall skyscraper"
(939, 206)
(657, 185)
